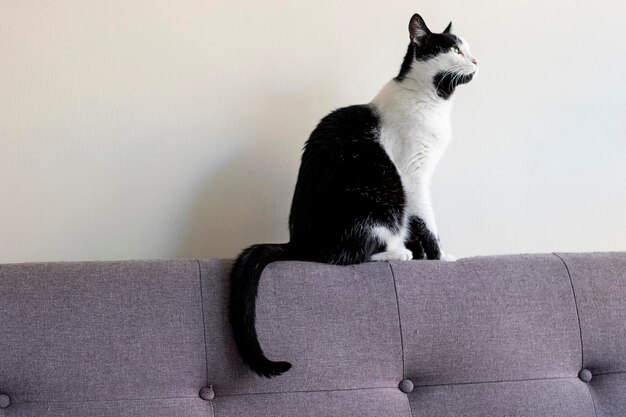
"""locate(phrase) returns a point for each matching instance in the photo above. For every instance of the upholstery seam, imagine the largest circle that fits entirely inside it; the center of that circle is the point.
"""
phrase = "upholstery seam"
(580, 330)
(105, 401)
(206, 349)
(610, 373)
(307, 391)
(497, 381)
(593, 402)
(395, 288)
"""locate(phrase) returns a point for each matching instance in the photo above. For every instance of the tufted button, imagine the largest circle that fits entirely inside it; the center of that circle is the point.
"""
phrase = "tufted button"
(406, 386)
(5, 401)
(585, 375)
(207, 393)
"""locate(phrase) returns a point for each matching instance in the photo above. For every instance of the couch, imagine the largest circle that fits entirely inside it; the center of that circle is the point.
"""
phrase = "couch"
(524, 335)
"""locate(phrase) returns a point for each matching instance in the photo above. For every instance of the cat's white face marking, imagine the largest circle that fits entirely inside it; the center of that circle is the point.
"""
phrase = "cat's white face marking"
(452, 62)
(469, 58)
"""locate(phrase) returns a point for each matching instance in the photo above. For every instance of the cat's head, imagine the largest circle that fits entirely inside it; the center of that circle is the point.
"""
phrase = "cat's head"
(441, 61)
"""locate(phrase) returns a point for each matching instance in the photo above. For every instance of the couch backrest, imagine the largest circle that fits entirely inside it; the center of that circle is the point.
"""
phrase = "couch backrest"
(526, 335)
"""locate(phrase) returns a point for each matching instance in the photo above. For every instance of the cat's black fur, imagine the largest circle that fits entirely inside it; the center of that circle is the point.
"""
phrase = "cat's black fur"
(346, 179)
(346, 184)
(446, 83)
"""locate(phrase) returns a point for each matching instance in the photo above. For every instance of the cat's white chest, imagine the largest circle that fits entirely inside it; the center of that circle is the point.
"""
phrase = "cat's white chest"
(415, 144)
(415, 155)
(414, 132)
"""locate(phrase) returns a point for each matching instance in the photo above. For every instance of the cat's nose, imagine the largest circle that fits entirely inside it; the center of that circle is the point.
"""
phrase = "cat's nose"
(475, 61)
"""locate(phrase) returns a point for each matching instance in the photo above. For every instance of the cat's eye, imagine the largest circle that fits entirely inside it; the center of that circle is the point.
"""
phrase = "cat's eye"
(455, 49)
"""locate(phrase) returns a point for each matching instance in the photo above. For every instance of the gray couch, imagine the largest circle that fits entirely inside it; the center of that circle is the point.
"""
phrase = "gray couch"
(529, 335)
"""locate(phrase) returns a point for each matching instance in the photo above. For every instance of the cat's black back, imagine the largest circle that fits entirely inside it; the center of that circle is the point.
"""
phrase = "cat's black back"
(346, 184)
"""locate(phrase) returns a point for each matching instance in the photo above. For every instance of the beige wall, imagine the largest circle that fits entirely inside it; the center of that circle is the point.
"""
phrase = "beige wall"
(164, 129)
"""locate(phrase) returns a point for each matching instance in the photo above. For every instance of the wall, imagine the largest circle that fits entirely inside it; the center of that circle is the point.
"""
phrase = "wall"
(161, 129)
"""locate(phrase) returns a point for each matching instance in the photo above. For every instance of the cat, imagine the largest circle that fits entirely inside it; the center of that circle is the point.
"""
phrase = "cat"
(362, 192)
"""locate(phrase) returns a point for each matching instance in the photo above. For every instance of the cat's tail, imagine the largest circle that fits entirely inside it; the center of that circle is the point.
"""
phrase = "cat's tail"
(244, 284)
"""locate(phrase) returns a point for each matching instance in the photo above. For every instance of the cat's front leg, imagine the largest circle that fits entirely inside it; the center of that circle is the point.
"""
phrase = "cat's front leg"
(424, 243)
(416, 248)
(421, 222)
(423, 237)
(423, 240)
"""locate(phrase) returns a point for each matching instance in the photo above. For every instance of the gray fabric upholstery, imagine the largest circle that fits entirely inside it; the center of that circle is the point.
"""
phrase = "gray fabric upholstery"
(487, 320)
(337, 325)
(537, 398)
(488, 336)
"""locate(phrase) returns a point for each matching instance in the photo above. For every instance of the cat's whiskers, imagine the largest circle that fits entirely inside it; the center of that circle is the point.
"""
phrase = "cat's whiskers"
(445, 75)
(453, 74)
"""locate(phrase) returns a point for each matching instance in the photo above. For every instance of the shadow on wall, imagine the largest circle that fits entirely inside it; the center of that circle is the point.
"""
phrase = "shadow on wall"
(247, 200)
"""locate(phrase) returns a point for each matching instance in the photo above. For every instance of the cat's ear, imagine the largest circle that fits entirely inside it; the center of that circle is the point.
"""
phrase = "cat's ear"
(448, 29)
(418, 29)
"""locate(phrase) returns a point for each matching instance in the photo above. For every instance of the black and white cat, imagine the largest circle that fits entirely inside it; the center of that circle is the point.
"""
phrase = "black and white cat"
(363, 188)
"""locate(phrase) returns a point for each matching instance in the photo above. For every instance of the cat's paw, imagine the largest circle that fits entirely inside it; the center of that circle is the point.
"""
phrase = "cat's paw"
(402, 254)
(446, 257)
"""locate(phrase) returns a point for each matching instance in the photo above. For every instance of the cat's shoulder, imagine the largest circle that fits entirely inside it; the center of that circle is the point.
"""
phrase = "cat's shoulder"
(357, 116)
(348, 124)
